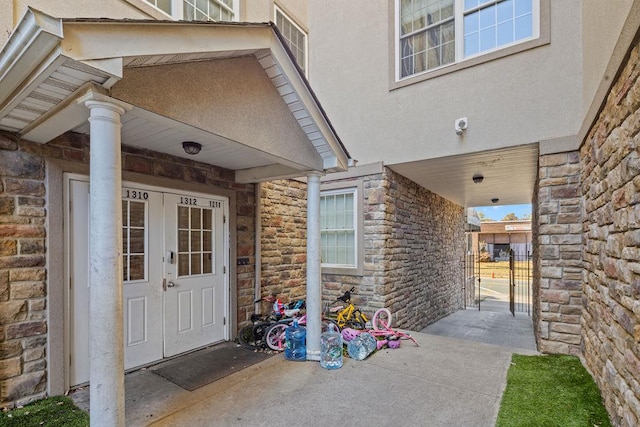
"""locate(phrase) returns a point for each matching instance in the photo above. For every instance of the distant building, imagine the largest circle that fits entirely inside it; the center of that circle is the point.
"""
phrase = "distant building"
(497, 237)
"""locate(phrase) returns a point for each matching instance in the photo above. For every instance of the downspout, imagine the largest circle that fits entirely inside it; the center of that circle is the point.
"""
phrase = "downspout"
(257, 293)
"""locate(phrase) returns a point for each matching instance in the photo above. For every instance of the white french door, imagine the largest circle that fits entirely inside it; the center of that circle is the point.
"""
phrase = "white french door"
(195, 287)
(175, 288)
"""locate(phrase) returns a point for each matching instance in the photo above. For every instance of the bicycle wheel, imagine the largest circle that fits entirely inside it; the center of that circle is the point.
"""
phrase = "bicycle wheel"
(259, 332)
(381, 320)
(246, 337)
(274, 338)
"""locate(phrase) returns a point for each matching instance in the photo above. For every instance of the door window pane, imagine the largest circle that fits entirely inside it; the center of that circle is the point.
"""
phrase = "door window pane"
(195, 240)
(134, 240)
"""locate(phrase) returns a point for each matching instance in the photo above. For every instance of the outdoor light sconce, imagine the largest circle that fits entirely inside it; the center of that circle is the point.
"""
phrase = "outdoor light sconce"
(191, 147)
(460, 125)
(477, 178)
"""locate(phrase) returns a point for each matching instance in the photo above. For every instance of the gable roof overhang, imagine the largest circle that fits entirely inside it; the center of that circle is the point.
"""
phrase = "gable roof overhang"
(48, 65)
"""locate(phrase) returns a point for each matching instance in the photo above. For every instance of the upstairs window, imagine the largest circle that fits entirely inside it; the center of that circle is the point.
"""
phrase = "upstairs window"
(198, 10)
(491, 24)
(295, 37)
(435, 33)
(427, 35)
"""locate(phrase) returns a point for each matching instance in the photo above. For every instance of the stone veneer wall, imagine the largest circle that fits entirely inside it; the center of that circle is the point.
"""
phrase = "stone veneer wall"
(23, 251)
(284, 240)
(611, 278)
(558, 258)
(414, 244)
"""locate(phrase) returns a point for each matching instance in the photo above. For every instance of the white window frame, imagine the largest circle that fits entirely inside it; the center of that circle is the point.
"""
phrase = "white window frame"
(276, 10)
(358, 200)
(459, 14)
(178, 11)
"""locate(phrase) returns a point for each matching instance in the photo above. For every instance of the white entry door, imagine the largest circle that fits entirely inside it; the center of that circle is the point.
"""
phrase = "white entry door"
(195, 297)
(174, 282)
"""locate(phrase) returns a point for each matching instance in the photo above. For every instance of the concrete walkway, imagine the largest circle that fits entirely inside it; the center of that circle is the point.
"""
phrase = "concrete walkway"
(494, 324)
(444, 382)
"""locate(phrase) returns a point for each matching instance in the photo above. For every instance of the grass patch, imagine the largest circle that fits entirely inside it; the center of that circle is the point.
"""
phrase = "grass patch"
(53, 411)
(552, 390)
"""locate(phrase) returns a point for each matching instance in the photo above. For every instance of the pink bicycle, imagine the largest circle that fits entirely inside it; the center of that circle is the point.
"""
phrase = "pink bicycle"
(274, 338)
(381, 323)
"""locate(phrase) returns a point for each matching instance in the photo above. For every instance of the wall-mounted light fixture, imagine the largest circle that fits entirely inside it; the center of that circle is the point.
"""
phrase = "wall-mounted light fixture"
(191, 147)
(460, 125)
(477, 178)
(495, 200)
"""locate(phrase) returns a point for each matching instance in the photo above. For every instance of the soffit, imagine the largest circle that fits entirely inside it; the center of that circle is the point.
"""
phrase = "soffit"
(42, 105)
(509, 175)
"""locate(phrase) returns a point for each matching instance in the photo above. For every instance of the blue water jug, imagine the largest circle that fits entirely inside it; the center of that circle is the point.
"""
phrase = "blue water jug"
(295, 345)
(331, 348)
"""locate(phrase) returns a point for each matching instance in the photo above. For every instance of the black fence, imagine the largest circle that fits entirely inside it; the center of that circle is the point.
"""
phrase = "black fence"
(504, 284)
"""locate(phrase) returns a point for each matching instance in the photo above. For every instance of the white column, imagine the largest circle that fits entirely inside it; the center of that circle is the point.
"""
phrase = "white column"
(314, 279)
(106, 350)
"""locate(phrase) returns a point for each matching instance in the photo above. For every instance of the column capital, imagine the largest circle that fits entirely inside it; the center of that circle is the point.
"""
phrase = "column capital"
(95, 98)
(315, 175)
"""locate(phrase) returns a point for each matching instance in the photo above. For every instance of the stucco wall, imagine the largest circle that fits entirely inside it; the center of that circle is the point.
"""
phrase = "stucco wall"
(29, 291)
(13, 10)
(611, 226)
(235, 98)
(263, 10)
(597, 44)
(510, 101)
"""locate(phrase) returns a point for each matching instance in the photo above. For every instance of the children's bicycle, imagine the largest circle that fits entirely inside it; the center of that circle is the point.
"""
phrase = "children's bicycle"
(253, 336)
(274, 338)
(381, 322)
(348, 316)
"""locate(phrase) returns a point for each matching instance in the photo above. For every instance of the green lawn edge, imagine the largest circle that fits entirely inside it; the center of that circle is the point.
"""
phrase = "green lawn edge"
(550, 391)
(52, 411)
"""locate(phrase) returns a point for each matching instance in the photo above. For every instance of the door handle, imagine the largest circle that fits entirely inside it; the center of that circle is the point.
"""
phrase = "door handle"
(168, 284)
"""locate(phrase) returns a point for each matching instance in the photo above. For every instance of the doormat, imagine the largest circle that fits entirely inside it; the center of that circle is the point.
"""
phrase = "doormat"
(203, 367)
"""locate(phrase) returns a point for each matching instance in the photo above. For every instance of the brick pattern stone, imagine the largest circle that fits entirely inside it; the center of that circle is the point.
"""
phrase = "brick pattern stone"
(22, 273)
(611, 228)
(284, 240)
(422, 259)
(23, 251)
(414, 248)
(558, 259)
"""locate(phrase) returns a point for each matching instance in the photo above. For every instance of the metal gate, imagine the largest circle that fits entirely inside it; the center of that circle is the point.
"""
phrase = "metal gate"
(498, 285)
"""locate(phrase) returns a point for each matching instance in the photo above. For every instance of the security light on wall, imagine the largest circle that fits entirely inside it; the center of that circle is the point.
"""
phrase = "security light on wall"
(460, 125)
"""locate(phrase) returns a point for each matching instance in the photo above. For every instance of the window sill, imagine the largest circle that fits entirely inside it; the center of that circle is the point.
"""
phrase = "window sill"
(338, 271)
(476, 60)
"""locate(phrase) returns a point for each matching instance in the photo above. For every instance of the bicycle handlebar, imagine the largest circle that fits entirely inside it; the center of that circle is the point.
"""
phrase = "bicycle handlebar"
(346, 296)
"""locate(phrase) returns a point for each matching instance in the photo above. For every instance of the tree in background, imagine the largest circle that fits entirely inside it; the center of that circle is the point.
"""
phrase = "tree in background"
(510, 217)
(483, 217)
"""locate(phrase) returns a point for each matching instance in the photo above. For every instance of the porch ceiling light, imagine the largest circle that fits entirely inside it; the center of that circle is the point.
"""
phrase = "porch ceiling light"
(191, 147)
(495, 200)
(477, 178)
